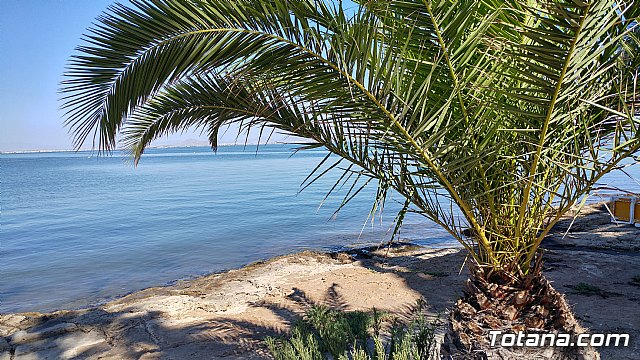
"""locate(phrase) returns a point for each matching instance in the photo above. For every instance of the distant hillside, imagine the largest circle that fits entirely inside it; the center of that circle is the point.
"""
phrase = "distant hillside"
(180, 143)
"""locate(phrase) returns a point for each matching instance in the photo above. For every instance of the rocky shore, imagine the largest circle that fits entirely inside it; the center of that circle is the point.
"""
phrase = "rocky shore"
(596, 264)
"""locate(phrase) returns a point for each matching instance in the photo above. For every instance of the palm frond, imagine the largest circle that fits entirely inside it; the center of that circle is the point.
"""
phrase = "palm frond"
(500, 111)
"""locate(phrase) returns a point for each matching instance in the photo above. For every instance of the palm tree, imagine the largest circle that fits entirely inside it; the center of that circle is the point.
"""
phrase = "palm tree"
(491, 118)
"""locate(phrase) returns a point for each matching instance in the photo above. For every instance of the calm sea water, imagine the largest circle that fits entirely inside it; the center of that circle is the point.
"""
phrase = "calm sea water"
(76, 229)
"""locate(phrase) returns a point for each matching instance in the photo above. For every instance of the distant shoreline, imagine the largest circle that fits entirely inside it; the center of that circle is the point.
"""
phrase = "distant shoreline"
(150, 147)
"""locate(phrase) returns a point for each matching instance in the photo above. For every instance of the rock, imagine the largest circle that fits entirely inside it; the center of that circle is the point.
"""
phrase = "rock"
(344, 258)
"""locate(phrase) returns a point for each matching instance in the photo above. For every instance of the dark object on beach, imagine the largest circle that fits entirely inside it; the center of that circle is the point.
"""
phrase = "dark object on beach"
(469, 232)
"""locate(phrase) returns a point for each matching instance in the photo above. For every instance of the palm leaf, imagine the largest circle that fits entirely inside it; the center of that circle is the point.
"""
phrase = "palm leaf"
(500, 111)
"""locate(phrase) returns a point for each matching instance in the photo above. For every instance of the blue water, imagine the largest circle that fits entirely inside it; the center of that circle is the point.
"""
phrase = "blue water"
(77, 229)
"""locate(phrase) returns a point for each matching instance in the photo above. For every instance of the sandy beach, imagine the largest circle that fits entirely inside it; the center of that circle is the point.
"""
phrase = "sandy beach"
(227, 315)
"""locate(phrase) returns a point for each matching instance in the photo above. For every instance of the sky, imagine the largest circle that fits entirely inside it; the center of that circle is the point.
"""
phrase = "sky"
(37, 38)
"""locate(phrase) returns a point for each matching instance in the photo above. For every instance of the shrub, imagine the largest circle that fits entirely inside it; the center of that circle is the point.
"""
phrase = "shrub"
(325, 333)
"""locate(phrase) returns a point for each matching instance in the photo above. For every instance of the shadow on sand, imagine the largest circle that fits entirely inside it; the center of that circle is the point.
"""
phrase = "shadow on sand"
(147, 334)
(433, 274)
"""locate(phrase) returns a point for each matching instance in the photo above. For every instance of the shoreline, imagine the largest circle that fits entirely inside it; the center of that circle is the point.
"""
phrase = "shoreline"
(251, 302)
(226, 314)
(337, 252)
(92, 301)
(96, 301)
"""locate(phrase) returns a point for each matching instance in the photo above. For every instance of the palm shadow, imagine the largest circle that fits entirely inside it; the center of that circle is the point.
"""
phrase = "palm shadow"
(438, 275)
(138, 334)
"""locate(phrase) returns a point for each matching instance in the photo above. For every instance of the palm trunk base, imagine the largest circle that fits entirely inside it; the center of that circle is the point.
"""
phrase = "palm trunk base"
(531, 306)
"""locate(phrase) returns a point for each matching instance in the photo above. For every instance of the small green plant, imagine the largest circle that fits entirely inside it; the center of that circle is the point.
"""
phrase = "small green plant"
(326, 333)
(336, 329)
(437, 273)
(587, 289)
(300, 346)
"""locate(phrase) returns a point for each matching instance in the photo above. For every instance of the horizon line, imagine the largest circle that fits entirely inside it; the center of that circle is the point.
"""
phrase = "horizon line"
(35, 151)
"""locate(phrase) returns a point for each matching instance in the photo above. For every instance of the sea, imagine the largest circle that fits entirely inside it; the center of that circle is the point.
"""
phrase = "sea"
(78, 228)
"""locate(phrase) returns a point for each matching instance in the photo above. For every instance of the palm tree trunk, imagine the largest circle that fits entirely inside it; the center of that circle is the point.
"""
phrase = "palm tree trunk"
(496, 300)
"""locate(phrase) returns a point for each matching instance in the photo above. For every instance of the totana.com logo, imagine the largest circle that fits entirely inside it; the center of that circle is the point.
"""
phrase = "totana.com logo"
(534, 340)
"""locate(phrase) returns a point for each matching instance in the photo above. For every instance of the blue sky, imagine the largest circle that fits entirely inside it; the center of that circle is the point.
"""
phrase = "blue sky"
(37, 37)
